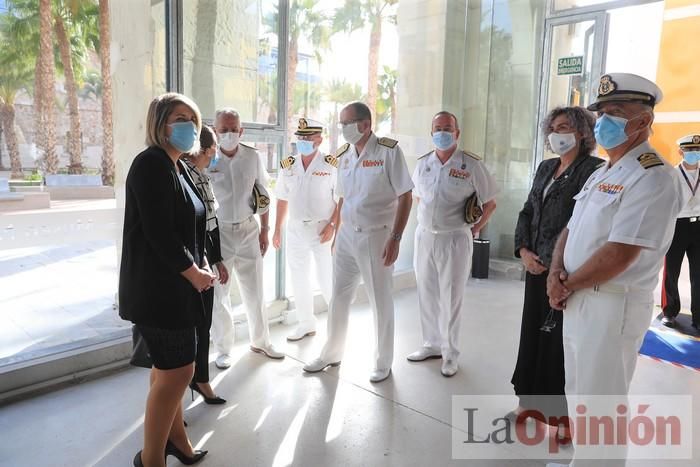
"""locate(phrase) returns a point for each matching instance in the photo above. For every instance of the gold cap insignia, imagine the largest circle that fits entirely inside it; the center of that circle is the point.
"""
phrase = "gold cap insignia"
(607, 85)
(696, 139)
(303, 124)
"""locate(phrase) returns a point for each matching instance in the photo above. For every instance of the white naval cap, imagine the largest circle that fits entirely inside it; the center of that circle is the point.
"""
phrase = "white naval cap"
(626, 87)
(689, 141)
(308, 126)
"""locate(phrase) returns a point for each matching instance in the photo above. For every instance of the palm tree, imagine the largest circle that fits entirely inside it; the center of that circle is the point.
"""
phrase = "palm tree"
(76, 27)
(16, 72)
(45, 88)
(107, 135)
(356, 14)
(386, 106)
(339, 92)
(304, 18)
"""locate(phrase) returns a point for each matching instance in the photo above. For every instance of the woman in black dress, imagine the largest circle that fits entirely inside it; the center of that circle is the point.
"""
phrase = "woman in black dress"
(164, 271)
(539, 370)
(196, 163)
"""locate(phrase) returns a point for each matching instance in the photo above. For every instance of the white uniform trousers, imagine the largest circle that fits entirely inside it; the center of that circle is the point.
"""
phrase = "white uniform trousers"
(359, 255)
(603, 332)
(303, 244)
(442, 262)
(240, 248)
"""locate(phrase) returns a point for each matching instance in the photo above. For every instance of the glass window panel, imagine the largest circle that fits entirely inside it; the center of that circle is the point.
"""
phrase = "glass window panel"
(230, 57)
(568, 4)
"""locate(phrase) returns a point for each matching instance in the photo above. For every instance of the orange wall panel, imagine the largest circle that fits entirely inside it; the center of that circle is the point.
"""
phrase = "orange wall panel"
(666, 135)
(679, 69)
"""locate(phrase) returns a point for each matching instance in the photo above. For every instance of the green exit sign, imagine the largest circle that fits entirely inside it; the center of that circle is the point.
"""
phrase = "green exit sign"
(570, 66)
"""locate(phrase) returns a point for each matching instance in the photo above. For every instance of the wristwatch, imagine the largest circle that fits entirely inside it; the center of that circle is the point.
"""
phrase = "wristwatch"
(396, 236)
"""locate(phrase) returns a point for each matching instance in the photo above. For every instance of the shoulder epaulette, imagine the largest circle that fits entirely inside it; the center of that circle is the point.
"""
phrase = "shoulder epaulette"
(388, 142)
(330, 160)
(342, 150)
(649, 160)
(288, 162)
(472, 155)
(425, 155)
(248, 146)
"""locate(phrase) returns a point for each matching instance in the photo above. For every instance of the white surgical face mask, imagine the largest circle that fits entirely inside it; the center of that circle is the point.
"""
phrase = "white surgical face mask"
(562, 143)
(352, 133)
(229, 141)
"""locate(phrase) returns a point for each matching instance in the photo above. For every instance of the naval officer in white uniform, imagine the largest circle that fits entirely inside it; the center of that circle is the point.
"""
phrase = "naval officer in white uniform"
(445, 178)
(306, 190)
(606, 262)
(238, 178)
(686, 237)
(374, 187)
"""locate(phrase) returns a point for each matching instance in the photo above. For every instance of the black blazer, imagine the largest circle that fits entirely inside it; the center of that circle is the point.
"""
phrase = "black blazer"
(541, 220)
(160, 234)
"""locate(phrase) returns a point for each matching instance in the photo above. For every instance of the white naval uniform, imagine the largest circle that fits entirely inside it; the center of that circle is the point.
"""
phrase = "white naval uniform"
(311, 198)
(233, 180)
(604, 326)
(443, 245)
(370, 185)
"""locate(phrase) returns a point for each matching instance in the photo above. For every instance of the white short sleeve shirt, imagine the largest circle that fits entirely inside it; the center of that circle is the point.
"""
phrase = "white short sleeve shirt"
(690, 201)
(443, 189)
(233, 179)
(370, 183)
(629, 204)
(311, 193)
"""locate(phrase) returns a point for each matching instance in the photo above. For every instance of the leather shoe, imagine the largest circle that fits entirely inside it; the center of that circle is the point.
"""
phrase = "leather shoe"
(379, 374)
(268, 351)
(449, 367)
(316, 365)
(223, 361)
(668, 321)
(424, 353)
(300, 333)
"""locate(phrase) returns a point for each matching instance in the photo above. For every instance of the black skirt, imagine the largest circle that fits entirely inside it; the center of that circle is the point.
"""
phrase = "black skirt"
(169, 348)
(539, 370)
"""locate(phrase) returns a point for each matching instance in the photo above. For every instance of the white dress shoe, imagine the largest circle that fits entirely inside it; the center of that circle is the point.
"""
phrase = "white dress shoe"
(300, 333)
(223, 361)
(556, 464)
(268, 351)
(379, 374)
(424, 353)
(449, 367)
(317, 364)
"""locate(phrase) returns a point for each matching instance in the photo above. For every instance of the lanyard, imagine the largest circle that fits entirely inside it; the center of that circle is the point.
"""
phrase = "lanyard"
(693, 190)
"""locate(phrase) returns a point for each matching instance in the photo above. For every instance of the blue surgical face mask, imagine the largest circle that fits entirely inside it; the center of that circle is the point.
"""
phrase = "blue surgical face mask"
(691, 157)
(610, 130)
(443, 140)
(183, 135)
(305, 147)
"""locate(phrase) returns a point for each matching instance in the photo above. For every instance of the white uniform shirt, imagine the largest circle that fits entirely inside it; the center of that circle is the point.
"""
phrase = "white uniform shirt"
(371, 184)
(626, 204)
(233, 179)
(443, 189)
(690, 203)
(311, 193)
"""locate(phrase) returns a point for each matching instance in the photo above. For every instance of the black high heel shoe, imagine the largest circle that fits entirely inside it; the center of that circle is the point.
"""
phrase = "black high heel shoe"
(137, 460)
(171, 450)
(216, 400)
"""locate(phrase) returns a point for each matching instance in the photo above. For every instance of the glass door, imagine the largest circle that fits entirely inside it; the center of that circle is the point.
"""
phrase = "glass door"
(573, 61)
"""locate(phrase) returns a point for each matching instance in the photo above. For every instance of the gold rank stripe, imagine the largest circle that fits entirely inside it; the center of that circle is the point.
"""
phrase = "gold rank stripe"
(330, 160)
(649, 160)
(388, 142)
(288, 162)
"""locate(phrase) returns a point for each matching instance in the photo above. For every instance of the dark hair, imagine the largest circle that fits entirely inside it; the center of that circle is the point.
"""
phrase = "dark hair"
(206, 137)
(448, 114)
(582, 120)
(360, 110)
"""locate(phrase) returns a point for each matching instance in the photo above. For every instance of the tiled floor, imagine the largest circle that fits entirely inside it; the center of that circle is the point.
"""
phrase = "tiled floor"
(277, 416)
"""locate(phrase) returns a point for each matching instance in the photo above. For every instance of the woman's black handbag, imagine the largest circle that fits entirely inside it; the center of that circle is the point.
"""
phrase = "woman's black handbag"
(141, 356)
